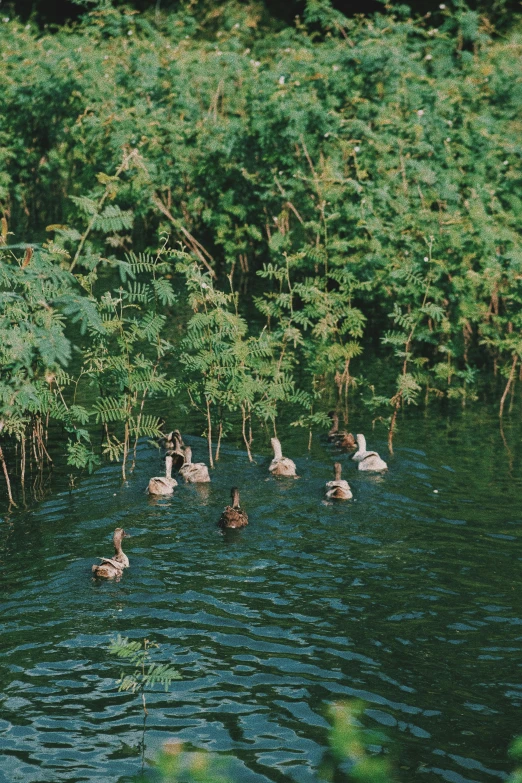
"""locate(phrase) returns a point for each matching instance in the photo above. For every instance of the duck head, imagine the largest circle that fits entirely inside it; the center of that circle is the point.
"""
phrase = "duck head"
(119, 535)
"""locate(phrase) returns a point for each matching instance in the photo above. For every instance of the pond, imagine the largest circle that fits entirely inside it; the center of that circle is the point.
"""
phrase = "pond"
(406, 597)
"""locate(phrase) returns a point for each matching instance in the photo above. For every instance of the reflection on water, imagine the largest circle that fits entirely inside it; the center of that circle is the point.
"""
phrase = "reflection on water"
(404, 597)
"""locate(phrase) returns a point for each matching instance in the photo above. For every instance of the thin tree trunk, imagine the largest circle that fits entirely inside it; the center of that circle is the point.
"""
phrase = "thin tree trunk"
(392, 424)
(7, 481)
(33, 440)
(346, 386)
(243, 417)
(22, 462)
(220, 433)
(41, 435)
(209, 435)
(125, 451)
(138, 424)
(508, 385)
(250, 436)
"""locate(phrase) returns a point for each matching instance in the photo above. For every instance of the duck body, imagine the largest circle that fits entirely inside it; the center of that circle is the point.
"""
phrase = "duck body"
(368, 460)
(177, 451)
(340, 438)
(345, 440)
(163, 485)
(168, 441)
(194, 472)
(281, 466)
(111, 567)
(339, 489)
(233, 516)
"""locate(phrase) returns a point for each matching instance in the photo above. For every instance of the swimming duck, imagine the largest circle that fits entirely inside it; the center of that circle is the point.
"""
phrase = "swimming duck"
(113, 567)
(338, 489)
(163, 485)
(176, 435)
(233, 516)
(340, 438)
(168, 441)
(176, 451)
(280, 466)
(193, 472)
(368, 460)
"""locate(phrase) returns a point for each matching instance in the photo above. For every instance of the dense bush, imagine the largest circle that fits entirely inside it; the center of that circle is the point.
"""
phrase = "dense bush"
(365, 172)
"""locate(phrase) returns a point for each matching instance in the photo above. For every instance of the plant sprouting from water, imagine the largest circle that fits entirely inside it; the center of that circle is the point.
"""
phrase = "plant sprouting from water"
(146, 673)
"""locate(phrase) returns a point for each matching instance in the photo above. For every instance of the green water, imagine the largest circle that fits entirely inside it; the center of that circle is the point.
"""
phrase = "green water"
(406, 597)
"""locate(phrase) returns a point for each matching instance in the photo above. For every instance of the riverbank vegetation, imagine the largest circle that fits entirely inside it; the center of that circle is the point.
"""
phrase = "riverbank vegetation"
(247, 216)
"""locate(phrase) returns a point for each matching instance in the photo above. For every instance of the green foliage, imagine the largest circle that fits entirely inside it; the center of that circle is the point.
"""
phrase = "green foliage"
(146, 674)
(359, 175)
(516, 752)
(176, 764)
(120, 354)
(349, 746)
(348, 757)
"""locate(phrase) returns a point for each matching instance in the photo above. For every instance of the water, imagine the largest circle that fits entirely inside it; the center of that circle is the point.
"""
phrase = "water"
(407, 597)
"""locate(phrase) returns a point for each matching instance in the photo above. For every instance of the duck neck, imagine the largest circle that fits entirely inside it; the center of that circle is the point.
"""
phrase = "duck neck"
(188, 456)
(118, 551)
(337, 471)
(278, 454)
(235, 497)
(361, 442)
(168, 467)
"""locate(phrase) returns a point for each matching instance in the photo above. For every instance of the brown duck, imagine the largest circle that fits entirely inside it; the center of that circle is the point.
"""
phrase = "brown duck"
(281, 466)
(111, 567)
(338, 489)
(233, 516)
(340, 438)
(194, 472)
(163, 485)
(177, 450)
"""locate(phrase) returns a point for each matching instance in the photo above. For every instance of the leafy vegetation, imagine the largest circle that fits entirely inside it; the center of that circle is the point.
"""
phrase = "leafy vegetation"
(354, 754)
(146, 674)
(348, 756)
(358, 178)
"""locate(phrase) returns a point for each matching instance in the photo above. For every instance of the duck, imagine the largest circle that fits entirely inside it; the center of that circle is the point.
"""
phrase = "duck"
(340, 438)
(168, 441)
(176, 451)
(281, 466)
(111, 567)
(233, 516)
(176, 436)
(193, 472)
(338, 489)
(163, 485)
(368, 460)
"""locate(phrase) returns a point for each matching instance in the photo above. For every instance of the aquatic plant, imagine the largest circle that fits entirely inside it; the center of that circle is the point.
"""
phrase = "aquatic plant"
(146, 673)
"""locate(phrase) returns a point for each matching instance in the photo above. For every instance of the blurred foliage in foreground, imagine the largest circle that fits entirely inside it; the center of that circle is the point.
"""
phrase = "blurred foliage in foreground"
(360, 176)
(354, 754)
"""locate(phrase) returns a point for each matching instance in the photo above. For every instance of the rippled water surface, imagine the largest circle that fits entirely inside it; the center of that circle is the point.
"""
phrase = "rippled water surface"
(407, 597)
